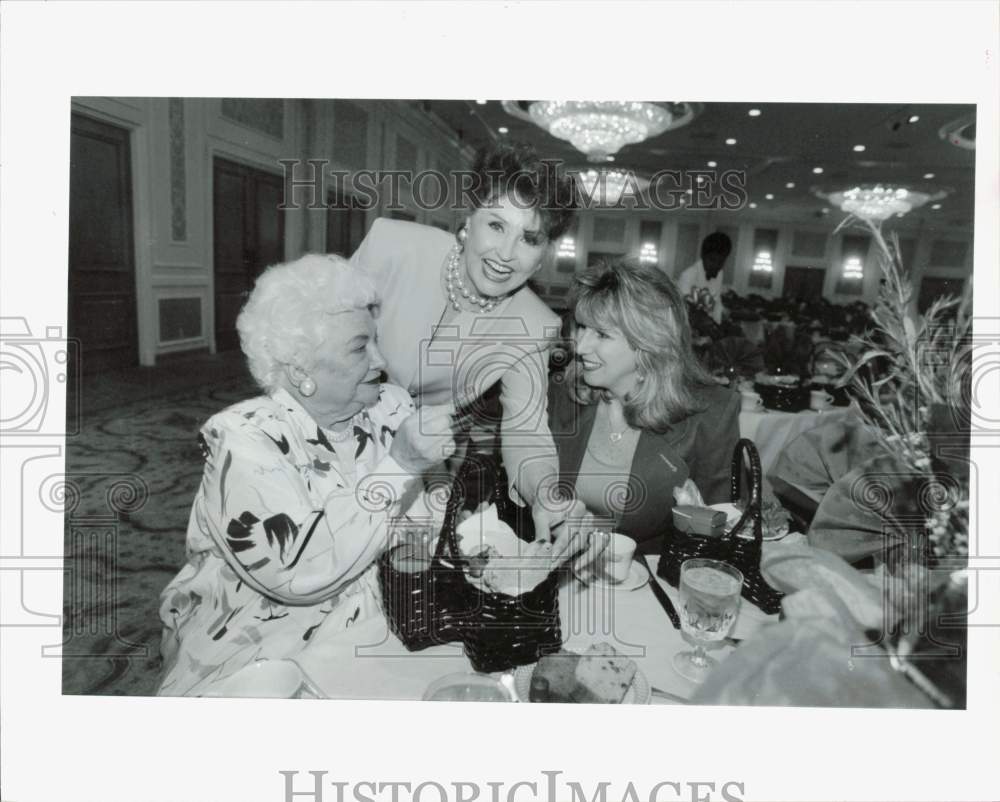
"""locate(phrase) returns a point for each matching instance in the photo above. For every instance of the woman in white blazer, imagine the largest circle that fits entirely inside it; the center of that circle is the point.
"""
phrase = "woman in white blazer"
(457, 315)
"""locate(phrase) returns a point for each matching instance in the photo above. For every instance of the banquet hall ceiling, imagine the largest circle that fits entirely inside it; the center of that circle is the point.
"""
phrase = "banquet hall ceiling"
(782, 145)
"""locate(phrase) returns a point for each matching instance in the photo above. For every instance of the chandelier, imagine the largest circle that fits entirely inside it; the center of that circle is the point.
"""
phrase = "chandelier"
(607, 187)
(877, 202)
(600, 128)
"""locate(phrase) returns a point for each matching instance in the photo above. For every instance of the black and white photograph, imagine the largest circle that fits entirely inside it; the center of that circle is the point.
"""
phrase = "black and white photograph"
(346, 400)
(626, 335)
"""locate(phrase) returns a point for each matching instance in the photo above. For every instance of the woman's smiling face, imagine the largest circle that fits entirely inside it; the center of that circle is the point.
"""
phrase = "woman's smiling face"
(606, 358)
(504, 246)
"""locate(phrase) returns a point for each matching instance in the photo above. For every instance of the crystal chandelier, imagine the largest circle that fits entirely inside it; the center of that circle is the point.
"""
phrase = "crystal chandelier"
(600, 128)
(878, 202)
(607, 187)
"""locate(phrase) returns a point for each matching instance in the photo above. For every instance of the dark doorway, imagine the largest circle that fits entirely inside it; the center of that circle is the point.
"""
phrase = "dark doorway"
(248, 234)
(102, 302)
(345, 224)
(804, 283)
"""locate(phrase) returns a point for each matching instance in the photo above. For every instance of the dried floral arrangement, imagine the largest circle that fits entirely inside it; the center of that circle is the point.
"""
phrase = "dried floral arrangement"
(912, 383)
(911, 379)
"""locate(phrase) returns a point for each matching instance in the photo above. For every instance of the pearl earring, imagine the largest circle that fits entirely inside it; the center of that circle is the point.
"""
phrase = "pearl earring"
(307, 387)
(462, 236)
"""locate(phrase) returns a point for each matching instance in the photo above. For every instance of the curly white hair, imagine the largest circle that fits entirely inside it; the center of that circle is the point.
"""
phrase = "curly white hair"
(285, 319)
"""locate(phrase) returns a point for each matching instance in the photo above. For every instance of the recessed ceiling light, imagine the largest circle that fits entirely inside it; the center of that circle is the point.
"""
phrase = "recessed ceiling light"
(790, 185)
(481, 102)
(817, 170)
(609, 158)
(502, 129)
(936, 206)
(753, 205)
(769, 196)
(754, 112)
(859, 148)
(713, 164)
(730, 141)
(913, 118)
(928, 176)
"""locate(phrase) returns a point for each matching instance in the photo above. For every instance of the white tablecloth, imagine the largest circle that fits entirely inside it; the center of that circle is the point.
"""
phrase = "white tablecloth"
(772, 431)
(369, 662)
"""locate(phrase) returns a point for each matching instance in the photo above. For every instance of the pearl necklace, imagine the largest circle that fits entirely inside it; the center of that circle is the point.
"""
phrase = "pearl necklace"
(453, 279)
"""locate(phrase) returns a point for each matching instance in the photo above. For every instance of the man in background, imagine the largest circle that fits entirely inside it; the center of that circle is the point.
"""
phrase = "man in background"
(701, 283)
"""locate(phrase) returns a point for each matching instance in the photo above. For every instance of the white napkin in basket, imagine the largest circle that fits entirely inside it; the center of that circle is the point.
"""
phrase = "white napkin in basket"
(514, 566)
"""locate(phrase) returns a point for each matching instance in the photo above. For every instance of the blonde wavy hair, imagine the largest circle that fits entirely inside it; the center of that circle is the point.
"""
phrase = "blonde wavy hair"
(643, 303)
(285, 321)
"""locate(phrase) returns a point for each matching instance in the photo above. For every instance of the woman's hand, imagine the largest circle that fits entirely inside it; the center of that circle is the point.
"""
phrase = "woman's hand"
(553, 515)
(425, 438)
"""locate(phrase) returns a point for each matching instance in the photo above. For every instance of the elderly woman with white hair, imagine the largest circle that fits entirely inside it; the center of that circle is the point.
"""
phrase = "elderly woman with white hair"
(300, 484)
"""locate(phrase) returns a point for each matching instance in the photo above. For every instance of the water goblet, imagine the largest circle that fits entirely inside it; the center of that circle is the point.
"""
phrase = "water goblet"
(710, 600)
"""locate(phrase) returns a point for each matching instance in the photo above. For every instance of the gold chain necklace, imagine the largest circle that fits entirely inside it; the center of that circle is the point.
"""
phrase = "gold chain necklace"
(615, 437)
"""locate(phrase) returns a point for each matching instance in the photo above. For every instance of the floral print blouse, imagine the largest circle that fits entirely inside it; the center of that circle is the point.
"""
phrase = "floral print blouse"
(283, 534)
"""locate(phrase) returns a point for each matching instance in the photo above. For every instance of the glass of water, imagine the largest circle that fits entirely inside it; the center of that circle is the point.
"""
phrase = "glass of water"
(710, 600)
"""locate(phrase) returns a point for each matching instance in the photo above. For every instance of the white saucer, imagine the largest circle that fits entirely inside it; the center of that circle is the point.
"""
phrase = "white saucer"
(637, 577)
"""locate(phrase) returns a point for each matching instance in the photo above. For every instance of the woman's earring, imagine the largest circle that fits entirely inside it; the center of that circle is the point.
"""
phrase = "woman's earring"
(307, 387)
(462, 236)
(640, 377)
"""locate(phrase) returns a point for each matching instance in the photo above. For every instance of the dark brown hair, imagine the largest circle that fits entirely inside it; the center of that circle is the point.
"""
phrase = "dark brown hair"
(515, 171)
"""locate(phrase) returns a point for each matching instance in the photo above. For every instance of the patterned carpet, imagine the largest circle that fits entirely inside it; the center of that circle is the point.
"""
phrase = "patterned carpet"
(131, 477)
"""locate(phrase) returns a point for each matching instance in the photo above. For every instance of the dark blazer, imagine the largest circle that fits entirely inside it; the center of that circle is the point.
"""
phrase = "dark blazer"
(700, 447)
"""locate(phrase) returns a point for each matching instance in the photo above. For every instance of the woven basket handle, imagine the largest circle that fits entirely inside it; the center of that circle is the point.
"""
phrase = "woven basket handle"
(753, 511)
(448, 541)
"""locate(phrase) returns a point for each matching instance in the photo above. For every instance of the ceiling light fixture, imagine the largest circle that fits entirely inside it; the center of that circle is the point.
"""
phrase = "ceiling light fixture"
(769, 196)
(599, 128)
(859, 148)
(713, 164)
(878, 201)
(730, 141)
(913, 118)
(928, 176)
(607, 186)
(503, 129)
(817, 170)
(790, 185)
(754, 112)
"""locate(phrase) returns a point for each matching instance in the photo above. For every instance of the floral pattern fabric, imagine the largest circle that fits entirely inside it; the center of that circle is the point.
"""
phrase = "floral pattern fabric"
(283, 535)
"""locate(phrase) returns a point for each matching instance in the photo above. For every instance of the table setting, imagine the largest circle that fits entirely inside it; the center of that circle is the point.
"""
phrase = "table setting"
(738, 608)
(618, 631)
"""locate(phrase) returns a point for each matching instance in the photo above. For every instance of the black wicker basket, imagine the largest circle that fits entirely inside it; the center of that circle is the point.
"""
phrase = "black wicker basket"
(740, 552)
(500, 631)
(420, 605)
(439, 605)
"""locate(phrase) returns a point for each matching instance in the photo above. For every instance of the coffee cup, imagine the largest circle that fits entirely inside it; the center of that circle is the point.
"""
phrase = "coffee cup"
(616, 560)
(820, 400)
(750, 401)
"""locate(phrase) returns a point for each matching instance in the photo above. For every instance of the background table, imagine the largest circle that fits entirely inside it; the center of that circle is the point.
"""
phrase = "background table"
(370, 662)
(771, 430)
